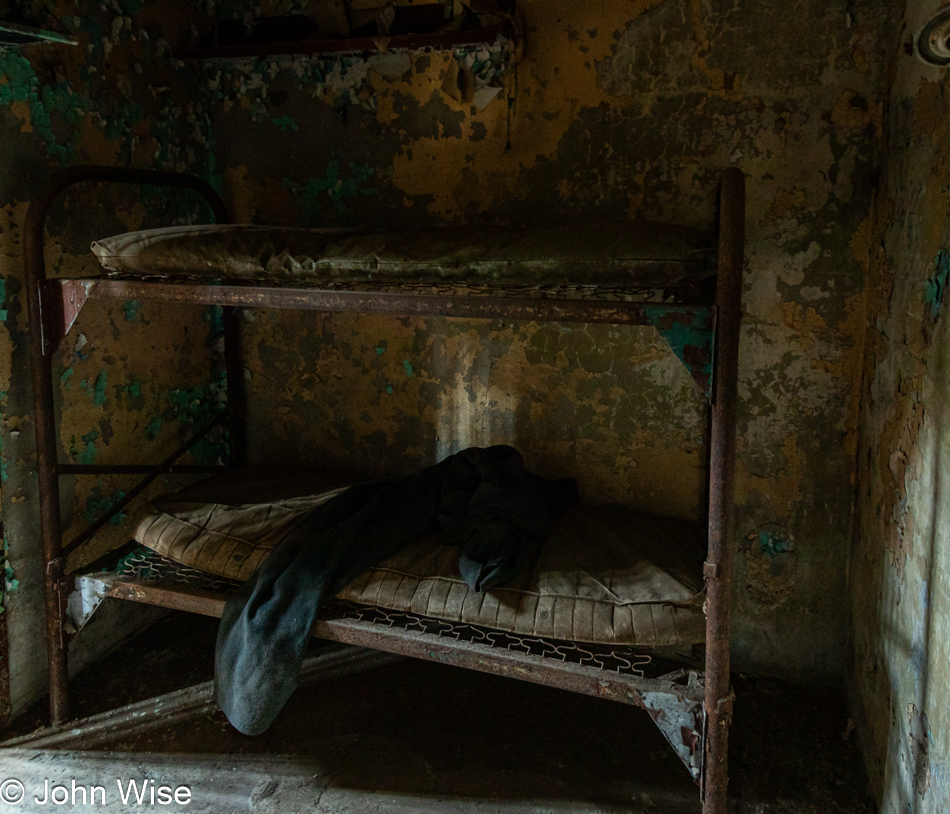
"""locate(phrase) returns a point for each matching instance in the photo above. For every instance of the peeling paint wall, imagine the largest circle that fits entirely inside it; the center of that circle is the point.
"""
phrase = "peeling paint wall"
(618, 110)
(621, 110)
(899, 657)
(116, 99)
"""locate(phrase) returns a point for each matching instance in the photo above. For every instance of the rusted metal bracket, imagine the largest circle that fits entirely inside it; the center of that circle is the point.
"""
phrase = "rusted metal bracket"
(680, 719)
(54, 569)
(61, 301)
(722, 715)
(724, 708)
(690, 333)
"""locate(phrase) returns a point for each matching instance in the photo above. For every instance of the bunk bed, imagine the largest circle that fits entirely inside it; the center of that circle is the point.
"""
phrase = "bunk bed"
(682, 283)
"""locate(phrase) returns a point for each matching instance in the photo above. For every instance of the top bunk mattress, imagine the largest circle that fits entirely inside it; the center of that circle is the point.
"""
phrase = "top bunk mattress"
(635, 254)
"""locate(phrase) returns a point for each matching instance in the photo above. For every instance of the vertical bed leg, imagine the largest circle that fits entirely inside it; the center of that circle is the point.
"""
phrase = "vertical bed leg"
(718, 570)
(234, 362)
(45, 332)
(41, 369)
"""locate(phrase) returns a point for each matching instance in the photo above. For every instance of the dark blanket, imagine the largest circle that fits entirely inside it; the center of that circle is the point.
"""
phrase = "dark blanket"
(482, 500)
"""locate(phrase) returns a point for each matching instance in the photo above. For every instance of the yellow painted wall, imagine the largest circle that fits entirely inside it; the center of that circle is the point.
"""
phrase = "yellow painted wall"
(899, 659)
(618, 110)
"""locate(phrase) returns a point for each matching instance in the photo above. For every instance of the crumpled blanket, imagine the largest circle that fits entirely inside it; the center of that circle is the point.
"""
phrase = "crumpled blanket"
(481, 499)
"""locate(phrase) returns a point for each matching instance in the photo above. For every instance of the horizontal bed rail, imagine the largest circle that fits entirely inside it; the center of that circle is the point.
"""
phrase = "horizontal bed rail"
(138, 469)
(688, 328)
(77, 291)
(674, 701)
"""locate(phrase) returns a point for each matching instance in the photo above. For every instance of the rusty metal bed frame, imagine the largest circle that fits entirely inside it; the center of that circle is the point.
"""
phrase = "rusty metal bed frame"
(693, 710)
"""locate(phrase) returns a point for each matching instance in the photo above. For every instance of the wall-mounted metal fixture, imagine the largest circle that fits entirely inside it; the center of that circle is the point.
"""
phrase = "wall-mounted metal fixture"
(17, 34)
(24, 22)
(933, 41)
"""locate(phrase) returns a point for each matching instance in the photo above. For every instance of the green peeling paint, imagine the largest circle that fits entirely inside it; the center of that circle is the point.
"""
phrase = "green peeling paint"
(153, 428)
(23, 85)
(380, 350)
(90, 451)
(65, 376)
(98, 503)
(935, 287)
(408, 367)
(771, 544)
(197, 407)
(214, 316)
(134, 389)
(689, 342)
(131, 114)
(335, 189)
(130, 7)
(99, 391)
(286, 123)
(389, 389)
(132, 308)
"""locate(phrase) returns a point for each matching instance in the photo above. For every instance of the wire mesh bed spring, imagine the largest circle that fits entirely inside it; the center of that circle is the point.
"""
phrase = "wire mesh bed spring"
(144, 565)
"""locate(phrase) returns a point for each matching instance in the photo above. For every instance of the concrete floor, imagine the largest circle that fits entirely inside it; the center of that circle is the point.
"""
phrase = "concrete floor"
(416, 736)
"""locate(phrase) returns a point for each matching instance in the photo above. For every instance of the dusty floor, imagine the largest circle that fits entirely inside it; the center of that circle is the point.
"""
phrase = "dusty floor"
(416, 736)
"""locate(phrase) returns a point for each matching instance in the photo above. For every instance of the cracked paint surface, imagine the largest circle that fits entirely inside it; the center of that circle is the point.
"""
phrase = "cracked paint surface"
(116, 99)
(899, 642)
(562, 395)
(617, 110)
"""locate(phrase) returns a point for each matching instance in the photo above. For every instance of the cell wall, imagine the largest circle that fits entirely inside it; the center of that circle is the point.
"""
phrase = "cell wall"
(899, 660)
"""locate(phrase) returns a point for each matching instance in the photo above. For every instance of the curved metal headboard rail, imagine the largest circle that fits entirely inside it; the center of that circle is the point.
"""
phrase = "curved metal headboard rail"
(42, 347)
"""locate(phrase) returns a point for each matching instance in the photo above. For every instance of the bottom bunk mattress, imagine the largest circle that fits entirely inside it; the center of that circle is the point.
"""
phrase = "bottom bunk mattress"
(605, 576)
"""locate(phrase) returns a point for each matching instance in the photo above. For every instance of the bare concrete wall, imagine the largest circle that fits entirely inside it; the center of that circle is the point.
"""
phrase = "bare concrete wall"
(899, 660)
(618, 110)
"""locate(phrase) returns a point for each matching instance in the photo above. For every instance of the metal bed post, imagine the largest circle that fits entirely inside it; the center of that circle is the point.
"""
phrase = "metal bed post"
(722, 454)
(45, 336)
(234, 365)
